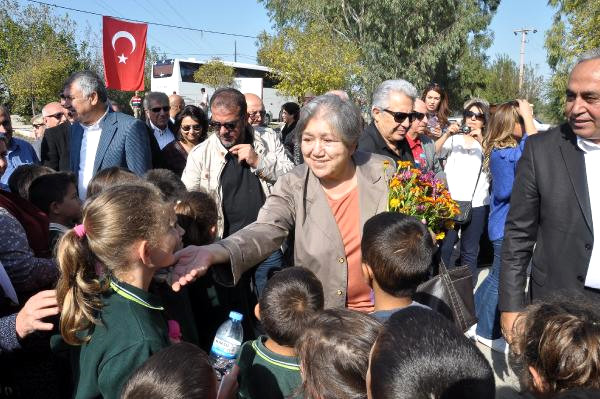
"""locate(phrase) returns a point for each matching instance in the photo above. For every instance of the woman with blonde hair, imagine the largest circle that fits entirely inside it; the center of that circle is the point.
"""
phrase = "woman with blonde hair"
(503, 146)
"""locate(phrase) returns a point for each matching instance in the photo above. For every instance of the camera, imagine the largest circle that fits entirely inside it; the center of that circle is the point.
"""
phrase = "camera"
(464, 129)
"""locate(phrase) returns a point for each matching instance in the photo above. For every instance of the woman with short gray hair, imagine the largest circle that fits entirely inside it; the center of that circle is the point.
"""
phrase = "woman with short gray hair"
(323, 203)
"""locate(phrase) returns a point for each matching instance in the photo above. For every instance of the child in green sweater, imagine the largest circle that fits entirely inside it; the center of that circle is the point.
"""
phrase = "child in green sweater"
(268, 366)
(126, 235)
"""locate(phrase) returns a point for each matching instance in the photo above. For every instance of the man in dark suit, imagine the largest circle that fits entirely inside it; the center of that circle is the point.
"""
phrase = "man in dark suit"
(102, 139)
(55, 147)
(555, 205)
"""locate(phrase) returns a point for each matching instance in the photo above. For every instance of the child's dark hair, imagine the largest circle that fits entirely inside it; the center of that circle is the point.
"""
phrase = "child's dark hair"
(181, 371)
(21, 178)
(110, 177)
(289, 302)
(560, 339)
(169, 184)
(113, 221)
(399, 250)
(421, 355)
(53, 187)
(334, 354)
(196, 214)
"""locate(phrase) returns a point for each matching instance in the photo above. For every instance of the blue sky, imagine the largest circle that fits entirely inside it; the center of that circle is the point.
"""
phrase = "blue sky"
(248, 17)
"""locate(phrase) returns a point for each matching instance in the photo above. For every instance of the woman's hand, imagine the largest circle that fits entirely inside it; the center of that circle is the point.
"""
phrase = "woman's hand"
(453, 129)
(193, 262)
(524, 109)
(41, 305)
(477, 135)
(526, 112)
(435, 132)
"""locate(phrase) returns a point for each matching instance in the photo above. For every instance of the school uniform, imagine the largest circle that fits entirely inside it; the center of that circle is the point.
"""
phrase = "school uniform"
(132, 329)
(265, 374)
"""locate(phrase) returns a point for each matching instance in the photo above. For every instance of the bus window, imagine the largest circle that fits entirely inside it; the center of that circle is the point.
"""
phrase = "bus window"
(187, 71)
(162, 69)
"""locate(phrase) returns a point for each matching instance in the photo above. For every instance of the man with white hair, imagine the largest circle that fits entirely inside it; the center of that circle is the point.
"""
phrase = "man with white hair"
(392, 112)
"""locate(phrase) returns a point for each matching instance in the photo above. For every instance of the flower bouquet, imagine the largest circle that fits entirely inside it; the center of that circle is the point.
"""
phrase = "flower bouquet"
(421, 195)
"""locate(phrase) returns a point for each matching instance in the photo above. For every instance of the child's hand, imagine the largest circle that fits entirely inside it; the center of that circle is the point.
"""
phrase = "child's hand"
(229, 384)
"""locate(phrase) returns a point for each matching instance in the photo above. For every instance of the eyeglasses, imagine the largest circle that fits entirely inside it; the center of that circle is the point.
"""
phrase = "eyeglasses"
(187, 128)
(38, 125)
(470, 114)
(216, 126)
(400, 117)
(256, 113)
(156, 110)
(418, 115)
(57, 115)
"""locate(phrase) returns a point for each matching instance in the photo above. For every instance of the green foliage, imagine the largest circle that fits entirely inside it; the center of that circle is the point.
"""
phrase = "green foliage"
(37, 53)
(419, 40)
(310, 61)
(576, 29)
(215, 74)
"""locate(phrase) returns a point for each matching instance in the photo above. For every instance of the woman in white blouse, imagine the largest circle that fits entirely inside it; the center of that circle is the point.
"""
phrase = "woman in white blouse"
(466, 181)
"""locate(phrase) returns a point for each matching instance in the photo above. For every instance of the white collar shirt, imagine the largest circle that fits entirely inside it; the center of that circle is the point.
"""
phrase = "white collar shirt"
(163, 137)
(87, 154)
(592, 166)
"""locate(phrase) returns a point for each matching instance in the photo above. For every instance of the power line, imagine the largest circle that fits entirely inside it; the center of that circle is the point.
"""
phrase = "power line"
(144, 22)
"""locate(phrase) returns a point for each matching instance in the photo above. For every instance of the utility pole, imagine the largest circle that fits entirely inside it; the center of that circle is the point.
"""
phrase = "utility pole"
(523, 32)
(235, 50)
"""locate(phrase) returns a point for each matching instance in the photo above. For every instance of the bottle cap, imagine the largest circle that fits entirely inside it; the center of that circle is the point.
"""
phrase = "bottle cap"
(236, 316)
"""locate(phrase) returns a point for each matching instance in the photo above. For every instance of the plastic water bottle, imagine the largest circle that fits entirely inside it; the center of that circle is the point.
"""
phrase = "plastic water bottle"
(227, 343)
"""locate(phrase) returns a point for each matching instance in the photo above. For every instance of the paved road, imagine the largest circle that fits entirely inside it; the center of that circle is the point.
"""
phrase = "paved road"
(507, 382)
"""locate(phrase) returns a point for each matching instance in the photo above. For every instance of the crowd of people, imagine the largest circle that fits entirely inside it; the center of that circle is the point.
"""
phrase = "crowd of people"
(127, 240)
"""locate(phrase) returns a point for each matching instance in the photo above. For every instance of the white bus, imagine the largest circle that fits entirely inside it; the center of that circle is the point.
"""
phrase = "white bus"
(177, 76)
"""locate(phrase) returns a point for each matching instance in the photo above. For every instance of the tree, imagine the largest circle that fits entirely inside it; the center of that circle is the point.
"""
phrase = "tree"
(576, 29)
(37, 53)
(215, 74)
(501, 83)
(419, 40)
(306, 61)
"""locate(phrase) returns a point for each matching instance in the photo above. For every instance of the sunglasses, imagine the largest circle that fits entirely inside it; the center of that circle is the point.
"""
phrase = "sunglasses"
(156, 110)
(57, 115)
(418, 115)
(216, 126)
(400, 117)
(38, 125)
(187, 128)
(470, 114)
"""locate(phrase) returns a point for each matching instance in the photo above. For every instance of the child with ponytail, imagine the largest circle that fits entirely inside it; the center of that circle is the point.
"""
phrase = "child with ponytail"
(106, 266)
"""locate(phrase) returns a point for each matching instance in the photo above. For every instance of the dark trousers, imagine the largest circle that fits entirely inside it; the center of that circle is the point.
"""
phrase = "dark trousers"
(469, 240)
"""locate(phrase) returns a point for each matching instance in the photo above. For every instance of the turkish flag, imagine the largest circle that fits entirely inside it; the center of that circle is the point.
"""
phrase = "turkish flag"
(124, 53)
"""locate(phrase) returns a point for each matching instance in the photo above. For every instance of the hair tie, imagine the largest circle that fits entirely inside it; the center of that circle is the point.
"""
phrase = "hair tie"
(79, 231)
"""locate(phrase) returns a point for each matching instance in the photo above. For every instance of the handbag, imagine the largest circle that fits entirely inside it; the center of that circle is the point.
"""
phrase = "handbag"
(450, 293)
(465, 207)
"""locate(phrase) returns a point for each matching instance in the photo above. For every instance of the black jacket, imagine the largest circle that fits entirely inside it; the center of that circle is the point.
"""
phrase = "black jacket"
(371, 141)
(549, 209)
(55, 147)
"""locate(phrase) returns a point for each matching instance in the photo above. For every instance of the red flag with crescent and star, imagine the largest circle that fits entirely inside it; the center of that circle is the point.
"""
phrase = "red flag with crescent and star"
(124, 53)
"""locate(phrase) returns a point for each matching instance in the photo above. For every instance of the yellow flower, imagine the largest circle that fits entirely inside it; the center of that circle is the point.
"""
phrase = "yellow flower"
(394, 203)
(440, 236)
(404, 164)
(394, 183)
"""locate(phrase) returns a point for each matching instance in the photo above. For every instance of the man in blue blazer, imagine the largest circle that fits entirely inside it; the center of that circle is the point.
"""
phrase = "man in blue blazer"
(102, 139)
